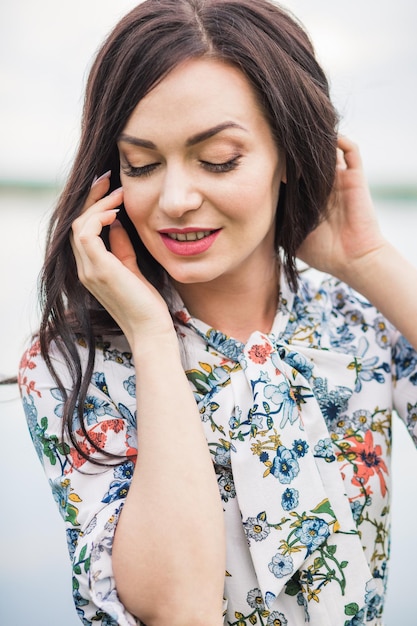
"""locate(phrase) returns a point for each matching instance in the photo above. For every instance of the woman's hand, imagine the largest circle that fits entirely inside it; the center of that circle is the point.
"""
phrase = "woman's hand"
(350, 236)
(114, 277)
(350, 246)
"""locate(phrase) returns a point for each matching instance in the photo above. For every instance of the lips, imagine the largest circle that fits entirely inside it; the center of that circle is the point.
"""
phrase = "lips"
(189, 242)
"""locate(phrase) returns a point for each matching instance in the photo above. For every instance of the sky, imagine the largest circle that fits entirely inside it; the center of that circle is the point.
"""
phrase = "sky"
(367, 47)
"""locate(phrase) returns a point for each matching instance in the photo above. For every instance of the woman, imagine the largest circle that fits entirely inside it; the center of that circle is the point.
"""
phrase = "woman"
(198, 406)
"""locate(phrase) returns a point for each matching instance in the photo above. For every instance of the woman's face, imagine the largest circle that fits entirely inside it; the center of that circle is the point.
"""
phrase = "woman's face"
(201, 175)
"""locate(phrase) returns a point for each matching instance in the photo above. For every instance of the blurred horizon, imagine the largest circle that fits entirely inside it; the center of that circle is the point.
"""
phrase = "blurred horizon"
(368, 50)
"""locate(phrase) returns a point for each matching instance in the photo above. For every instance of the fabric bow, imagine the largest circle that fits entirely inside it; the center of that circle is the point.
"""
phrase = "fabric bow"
(260, 410)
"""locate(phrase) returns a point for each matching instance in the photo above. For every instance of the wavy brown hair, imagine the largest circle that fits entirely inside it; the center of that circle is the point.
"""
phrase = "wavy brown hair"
(275, 54)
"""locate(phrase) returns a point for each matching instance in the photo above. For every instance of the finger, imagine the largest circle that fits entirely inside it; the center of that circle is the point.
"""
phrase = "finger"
(99, 187)
(350, 151)
(108, 203)
(87, 245)
(340, 160)
(121, 246)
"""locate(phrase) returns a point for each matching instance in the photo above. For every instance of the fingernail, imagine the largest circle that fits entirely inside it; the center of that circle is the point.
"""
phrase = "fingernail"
(116, 191)
(102, 177)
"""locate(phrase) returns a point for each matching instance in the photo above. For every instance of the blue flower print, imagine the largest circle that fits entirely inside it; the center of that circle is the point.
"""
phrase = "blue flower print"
(231, 348)
(59, 408)
(289, 499)
(312, 533)
(226, 484)
(257, 528)
(300, 447)
(276, 393)
(130, 386)
(411, 420)
(339, 298)
(354, 317)
(281, 565)
(60, 491)
(94, 408)
(235, 418)
(119, 488)
(99, 381)
(300, 363)
(281, 396)
(367, 369)
(31, 414)
(324, 449)
(357, 509)
(124, 471)
(122, 358)
(255, 599)
(277, 619)
(404, 358)
(285, 466)
(207, 408)
(332, 403)
(72, 540)
(374, 599)
(362, 419)
(222, 455)
(381, 332)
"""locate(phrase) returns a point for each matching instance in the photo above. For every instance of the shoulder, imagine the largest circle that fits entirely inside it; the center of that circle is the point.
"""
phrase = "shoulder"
(336, 314)
(48, 386)
(106, 350)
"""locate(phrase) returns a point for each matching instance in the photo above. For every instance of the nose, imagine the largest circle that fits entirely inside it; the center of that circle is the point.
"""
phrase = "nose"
(179, 193)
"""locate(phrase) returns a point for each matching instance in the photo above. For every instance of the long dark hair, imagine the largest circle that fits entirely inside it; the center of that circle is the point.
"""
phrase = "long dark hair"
(275, 54)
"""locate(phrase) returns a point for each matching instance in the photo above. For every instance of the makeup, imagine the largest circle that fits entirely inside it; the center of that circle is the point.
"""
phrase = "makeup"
(189, 241)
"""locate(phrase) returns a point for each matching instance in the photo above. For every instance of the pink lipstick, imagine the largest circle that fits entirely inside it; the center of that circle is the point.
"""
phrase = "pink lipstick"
(188, 241)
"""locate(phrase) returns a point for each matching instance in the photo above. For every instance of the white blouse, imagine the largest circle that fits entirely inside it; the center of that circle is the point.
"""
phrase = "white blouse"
(299, 426)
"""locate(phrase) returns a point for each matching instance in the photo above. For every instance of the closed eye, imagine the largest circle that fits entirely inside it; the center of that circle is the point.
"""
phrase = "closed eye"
(137, 172)
(221, 168)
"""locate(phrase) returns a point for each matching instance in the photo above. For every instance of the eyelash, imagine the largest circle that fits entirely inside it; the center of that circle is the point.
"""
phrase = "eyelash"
(215, 168)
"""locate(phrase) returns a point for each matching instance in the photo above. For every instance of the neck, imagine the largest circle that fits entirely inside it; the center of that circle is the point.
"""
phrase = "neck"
(236, 308)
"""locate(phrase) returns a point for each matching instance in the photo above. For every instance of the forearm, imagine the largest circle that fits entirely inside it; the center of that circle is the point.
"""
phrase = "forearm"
(169, 547)
(389, 282)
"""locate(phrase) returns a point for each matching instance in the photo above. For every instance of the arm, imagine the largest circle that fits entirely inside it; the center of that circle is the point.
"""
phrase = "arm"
(169, 552)
(350, 246)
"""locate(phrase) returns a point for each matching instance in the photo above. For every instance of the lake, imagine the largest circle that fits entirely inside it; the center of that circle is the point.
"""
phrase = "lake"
(35, 578)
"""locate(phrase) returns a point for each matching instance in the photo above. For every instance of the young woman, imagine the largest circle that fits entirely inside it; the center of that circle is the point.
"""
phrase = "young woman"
(215, 427)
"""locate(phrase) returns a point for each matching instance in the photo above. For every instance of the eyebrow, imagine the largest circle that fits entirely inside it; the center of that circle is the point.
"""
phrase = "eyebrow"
(192, 141)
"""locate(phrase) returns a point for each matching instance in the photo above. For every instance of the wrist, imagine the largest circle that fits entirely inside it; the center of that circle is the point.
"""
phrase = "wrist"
(151, 342)
(366, 272)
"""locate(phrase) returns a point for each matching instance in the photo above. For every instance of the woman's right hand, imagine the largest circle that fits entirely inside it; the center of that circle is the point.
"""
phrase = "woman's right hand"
(113, 277)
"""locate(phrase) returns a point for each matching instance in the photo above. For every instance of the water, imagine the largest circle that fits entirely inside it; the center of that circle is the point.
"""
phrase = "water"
(35, 578)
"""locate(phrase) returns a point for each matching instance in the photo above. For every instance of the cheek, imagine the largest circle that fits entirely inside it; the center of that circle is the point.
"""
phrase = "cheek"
(137, 202)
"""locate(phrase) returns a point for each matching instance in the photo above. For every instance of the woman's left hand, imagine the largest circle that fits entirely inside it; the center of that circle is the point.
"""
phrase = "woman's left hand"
(350, 234)
(350, 246)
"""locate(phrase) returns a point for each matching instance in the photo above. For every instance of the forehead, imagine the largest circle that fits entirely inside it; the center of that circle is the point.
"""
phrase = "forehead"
(197, 93)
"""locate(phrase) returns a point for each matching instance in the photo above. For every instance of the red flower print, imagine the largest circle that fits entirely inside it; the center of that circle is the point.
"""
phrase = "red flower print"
(182, 317)
(260, 352)
(368, 461)
(77, 460)
(116, 425)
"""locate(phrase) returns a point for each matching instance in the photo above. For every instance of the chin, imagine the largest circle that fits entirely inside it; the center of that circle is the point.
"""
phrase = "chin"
(190, 276)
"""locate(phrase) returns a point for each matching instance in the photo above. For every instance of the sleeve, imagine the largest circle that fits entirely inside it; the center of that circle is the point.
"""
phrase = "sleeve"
(89, 496)
(404, 368)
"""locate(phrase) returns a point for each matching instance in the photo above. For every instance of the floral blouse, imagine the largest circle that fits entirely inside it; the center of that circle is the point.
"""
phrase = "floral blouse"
(298, 423)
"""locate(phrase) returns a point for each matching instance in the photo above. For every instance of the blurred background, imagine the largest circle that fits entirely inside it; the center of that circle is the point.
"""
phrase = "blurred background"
(369, 50)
